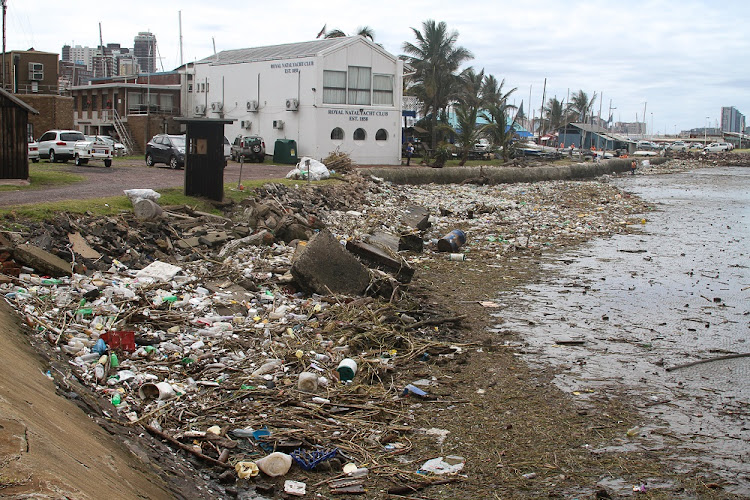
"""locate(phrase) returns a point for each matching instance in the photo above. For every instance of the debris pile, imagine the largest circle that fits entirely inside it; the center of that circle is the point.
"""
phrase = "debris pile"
(257, 344)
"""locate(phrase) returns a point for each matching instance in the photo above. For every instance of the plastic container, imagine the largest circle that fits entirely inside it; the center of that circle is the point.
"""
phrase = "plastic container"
(124, 340)
(307, 382)
(276, 464)
(347, 369)
(457, 257)
(452, 241)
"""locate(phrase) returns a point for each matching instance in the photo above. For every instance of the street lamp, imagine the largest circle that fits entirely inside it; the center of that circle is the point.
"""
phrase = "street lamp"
(705, 133)
(652, 123)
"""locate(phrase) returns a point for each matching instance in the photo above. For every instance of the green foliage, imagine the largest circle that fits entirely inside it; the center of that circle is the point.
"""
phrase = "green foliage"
(442, 153)
(435, 58)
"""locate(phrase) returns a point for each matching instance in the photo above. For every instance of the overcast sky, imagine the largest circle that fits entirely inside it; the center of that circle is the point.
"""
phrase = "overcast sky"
(685, 59)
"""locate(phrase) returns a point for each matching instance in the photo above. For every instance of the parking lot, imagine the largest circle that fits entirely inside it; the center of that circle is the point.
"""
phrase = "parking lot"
(129, 173)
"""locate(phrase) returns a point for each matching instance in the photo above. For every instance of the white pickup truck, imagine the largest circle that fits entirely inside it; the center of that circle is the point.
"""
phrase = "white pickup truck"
(93, 148)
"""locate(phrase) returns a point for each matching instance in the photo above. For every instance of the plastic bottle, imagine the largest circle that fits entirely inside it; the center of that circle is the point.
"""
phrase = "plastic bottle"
(347, 369)
(116, 399)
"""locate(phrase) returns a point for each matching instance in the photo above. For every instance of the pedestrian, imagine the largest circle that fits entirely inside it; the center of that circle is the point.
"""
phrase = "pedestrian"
(633, 165)
(409, 153)
(570, 152)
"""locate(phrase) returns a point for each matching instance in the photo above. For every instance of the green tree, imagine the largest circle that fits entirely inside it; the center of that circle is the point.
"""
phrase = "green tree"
(469, 98)
(364, 31)
(580, 105)
(496, 112)
(435, 58)
(554, 115)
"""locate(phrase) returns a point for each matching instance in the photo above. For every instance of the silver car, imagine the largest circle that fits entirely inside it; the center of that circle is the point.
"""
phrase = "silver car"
(57, 145)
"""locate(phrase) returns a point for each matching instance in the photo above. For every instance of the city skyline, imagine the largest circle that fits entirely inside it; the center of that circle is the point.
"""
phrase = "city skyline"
(681, 63)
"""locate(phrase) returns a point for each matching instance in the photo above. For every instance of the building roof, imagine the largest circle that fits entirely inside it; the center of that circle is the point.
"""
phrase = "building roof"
(285, 51)
(18, 101)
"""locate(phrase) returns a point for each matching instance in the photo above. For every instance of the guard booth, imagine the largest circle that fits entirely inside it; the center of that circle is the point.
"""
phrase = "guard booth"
(204, 157)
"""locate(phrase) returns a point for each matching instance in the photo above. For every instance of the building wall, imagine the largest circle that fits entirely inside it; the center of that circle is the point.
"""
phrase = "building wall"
(272, 83)
(55, 112)
(17, 74)
(14, 162)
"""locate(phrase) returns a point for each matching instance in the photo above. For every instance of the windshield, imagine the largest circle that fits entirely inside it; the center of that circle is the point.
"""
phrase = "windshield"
(178, 140)
(72, 136)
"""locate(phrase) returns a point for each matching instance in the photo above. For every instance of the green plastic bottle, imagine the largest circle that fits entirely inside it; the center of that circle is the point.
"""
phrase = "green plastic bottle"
(116, 399)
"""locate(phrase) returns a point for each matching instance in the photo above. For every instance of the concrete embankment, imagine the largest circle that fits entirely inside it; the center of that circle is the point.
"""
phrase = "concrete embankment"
(505, 175)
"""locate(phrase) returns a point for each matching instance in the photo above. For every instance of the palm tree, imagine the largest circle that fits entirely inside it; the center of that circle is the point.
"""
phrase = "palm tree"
(435, 59)
(364, 31)
(581, 106)
(469, 97)
(497, 129)
(554, 115)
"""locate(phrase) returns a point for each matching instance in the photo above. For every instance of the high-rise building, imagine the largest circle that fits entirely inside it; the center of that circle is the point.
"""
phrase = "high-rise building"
(144, 49)
(732, 120)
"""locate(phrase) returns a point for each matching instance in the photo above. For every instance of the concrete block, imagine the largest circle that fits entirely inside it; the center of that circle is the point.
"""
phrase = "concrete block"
(324, 266)
(41, 260)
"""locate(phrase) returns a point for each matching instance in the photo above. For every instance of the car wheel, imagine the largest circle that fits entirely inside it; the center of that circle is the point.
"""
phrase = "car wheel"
(52, 158)
(35, 160)
(149, 160)
(256, 149)
(78, 161)
(107, 163)
(173, 163)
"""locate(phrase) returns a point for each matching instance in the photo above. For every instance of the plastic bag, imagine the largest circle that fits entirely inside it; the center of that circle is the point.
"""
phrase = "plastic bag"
(308, 167)
(141, 194)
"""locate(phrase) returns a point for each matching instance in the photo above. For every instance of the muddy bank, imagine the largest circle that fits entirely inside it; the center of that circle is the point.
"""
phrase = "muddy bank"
(505, 175)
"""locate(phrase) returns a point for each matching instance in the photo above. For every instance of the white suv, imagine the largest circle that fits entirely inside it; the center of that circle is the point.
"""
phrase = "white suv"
(715, 147)
(57, 145)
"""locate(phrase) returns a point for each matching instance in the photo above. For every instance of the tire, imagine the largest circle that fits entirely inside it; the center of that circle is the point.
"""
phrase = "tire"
(173, 163)
(149, 160)
(35, 160)
(52, 157)
(256, 149)
(107, 163)
(78, 161)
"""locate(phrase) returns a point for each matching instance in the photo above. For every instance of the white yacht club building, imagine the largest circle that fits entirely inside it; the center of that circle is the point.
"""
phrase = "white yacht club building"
(325, 94)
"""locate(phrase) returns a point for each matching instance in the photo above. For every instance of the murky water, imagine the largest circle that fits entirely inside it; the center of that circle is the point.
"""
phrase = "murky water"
(642, 305)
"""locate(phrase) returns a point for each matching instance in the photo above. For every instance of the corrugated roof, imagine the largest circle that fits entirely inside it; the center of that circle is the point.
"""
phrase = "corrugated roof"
(273, 52)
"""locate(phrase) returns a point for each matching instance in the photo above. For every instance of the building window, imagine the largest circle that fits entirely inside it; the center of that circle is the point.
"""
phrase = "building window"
(382, 90)
(190, 87)
(93, 103)
(337, 134)
(360, 134)
(381, 135)
(359, 85)
(334, 87)
(104, 102)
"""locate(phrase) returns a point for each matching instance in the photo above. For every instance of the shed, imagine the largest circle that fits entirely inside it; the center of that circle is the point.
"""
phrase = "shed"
(14, 152)
(204, 157)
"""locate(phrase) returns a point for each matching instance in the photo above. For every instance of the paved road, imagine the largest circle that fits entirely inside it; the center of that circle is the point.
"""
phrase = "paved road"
(129, 174)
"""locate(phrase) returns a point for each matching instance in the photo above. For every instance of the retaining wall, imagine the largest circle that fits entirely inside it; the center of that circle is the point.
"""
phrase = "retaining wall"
(505, 175)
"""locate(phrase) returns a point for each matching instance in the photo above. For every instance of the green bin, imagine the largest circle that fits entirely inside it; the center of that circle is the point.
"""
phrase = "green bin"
(285, 151)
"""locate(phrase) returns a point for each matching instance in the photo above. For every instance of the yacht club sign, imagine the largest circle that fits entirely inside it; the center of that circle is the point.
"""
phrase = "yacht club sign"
(358, 115)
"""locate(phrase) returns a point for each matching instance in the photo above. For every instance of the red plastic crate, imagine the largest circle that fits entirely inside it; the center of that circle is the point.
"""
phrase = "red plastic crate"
(124, 340)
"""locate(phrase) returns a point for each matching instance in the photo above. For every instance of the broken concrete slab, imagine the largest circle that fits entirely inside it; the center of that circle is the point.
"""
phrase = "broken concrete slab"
(377, 256)
(81, 246)
(416, 217)
(42, 261)
(213, 238)
(158, 270)
(324, 266)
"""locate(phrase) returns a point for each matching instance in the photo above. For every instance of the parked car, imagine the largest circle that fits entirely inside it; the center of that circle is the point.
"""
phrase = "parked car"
(57, 145)
(119, 148)
(93, 148)
(33, 148)
(251, 147)
(227, 151)
(695, 145)
(715, 147)
(678, 146)
(167, 149)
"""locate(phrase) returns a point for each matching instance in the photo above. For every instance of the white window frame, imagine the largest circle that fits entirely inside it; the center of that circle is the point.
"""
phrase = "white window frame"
(359, 91)
(382, 97)
(334, 92)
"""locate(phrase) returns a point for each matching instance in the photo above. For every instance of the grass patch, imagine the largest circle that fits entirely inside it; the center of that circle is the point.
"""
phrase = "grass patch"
(115, 204)
(45, 175)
